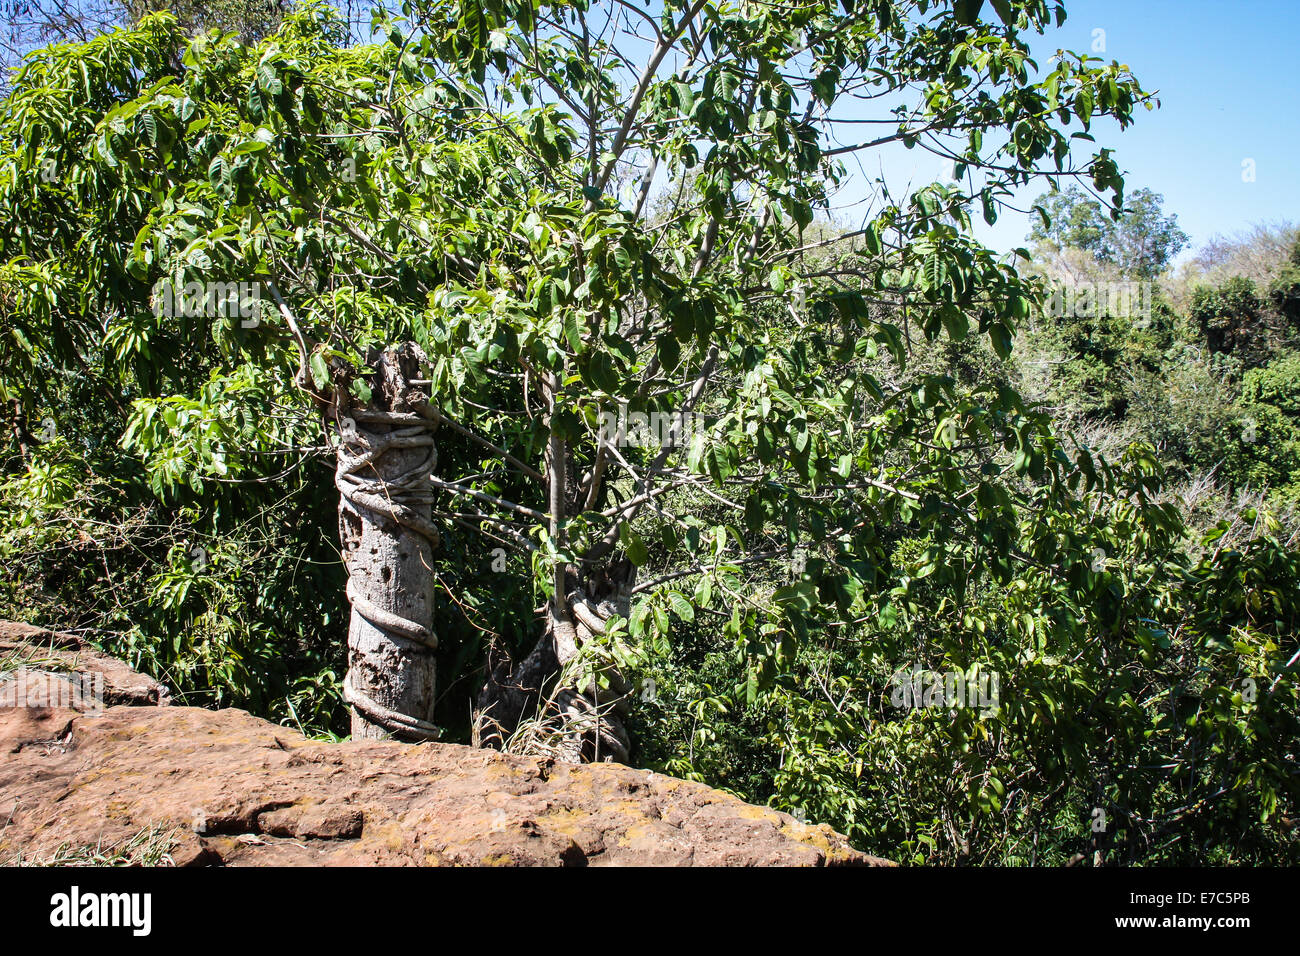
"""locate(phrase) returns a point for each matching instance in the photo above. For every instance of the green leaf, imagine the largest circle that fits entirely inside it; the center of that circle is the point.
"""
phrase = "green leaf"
(601, 372)
(967, 11)
(1000, 337)
(637, 552)
(680, 606)
(871, 239)
(320, 372)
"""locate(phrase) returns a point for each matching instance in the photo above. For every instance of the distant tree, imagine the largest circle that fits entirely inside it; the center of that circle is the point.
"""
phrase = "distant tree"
(1137, 237)
(1284, 291)
(1258, 253)
(1071, 219)
(1095, 332)
(1230, 317)
(1263, 441)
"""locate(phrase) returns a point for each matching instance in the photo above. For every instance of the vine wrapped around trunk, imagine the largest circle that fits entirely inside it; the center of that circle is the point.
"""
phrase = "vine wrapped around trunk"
(385, 458)
(584, 717)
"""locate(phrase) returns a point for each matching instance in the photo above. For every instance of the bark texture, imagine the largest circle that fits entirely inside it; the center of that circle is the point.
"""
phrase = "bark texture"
(386, 455)
(584, 717)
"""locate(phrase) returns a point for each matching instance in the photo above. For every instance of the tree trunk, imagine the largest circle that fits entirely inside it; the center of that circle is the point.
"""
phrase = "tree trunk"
(385, 458)
(583, 722)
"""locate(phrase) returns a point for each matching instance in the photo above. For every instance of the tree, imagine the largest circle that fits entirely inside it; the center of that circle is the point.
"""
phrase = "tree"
(279, 165)
(250, 19)
(1136, 236)
(1259, 253)
(1231, 317)
(35, 23)
(1094, 333)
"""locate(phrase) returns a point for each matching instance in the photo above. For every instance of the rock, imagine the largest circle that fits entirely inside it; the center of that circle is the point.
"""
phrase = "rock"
(235, 789)
(227, 787)
(59, 654)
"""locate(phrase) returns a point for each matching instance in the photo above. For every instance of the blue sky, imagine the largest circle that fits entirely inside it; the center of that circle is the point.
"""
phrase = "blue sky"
(1228, 72)
(1228, 76)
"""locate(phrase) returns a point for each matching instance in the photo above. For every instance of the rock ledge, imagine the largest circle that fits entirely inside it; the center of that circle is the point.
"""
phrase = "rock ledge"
(229, 788)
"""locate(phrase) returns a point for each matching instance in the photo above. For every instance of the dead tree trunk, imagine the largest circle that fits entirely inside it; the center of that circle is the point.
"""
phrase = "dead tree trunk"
(385, 458)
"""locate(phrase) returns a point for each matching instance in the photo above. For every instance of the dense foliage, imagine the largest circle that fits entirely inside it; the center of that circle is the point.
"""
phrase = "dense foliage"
(971, 577)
